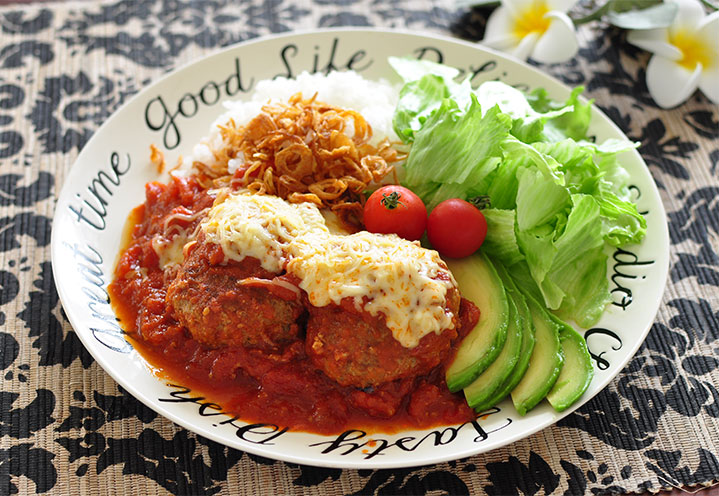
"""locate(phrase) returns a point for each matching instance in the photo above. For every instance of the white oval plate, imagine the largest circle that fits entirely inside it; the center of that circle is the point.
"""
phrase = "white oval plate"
(108, 179)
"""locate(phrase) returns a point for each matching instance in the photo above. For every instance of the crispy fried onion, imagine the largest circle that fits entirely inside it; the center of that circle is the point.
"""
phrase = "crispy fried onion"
(157, 158)
(304, 151)
(279, 286)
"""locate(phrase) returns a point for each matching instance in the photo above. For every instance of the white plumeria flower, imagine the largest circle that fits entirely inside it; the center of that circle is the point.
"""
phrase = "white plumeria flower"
(539, 29)
(686, 55)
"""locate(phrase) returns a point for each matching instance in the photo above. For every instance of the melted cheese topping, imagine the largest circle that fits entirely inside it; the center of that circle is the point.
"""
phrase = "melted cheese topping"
(169, 249)
(259, 226)
(383, 274)
(169, 244)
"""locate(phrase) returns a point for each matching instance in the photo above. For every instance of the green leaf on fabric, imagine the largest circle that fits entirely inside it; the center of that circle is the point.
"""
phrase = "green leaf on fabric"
(656, 16)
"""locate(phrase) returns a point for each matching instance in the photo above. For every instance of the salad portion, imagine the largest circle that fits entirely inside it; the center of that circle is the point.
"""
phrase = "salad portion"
(557, 198)
(553, 200)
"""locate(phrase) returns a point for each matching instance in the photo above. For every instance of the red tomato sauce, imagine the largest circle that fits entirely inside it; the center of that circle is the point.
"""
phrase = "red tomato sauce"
(284, 390)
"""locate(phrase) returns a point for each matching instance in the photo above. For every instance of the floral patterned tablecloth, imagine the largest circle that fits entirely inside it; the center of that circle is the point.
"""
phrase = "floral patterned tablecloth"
(67, 428)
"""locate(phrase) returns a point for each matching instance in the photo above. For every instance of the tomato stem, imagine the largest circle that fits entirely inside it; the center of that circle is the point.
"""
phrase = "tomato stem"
(391, 201)
(481, 202)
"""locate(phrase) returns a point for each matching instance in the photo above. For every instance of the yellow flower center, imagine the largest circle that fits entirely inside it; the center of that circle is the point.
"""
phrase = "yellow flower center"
(695, 50)
(532, 19)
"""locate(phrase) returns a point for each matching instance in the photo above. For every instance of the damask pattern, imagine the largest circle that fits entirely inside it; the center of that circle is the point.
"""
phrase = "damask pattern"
(63, 422)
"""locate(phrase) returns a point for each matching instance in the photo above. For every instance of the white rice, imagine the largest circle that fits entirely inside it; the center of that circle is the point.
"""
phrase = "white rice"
(374, 100)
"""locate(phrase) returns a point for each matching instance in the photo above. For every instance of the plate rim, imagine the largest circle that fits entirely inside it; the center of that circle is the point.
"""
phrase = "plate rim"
(316, 459)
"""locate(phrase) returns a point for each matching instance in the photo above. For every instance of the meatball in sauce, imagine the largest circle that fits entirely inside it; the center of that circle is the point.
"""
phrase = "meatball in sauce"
(209, 298)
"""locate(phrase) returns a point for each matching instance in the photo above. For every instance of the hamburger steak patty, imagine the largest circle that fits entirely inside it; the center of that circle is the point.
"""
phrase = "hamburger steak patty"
(207, 297)
(355, 349)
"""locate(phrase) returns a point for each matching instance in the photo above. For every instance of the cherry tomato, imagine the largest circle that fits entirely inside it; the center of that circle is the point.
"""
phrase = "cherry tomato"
(456, 228)
(395, 209)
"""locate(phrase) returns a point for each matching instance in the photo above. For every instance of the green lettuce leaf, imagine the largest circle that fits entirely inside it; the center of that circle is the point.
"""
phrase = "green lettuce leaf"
(455, 150)
(417, 100)
(501, 240)
(594, 170)
(527, 122)
(580, 265)
(426, 85)
(540, 200)
(573, 124)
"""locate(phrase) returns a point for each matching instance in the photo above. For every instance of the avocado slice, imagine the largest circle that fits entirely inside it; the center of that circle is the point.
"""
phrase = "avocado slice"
(494, 376)
(492, 395)
(478, 281)
(577, 371)
(544, 364)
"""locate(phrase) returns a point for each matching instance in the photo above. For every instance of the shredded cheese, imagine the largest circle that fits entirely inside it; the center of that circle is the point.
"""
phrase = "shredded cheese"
(169, 244)
(383, 274)
(169, 249)
(259, 226)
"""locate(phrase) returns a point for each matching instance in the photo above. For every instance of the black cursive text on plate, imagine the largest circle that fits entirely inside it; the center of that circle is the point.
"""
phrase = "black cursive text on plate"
(370, 445)
(471, 71)
(91, 208)
(602, 363)
(251, 433)
(622, 295)
(324, 62)
(161, 115)
(343, 444)
(89, 266)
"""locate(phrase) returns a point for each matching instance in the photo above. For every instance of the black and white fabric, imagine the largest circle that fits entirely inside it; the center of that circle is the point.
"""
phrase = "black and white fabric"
(67, 428)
